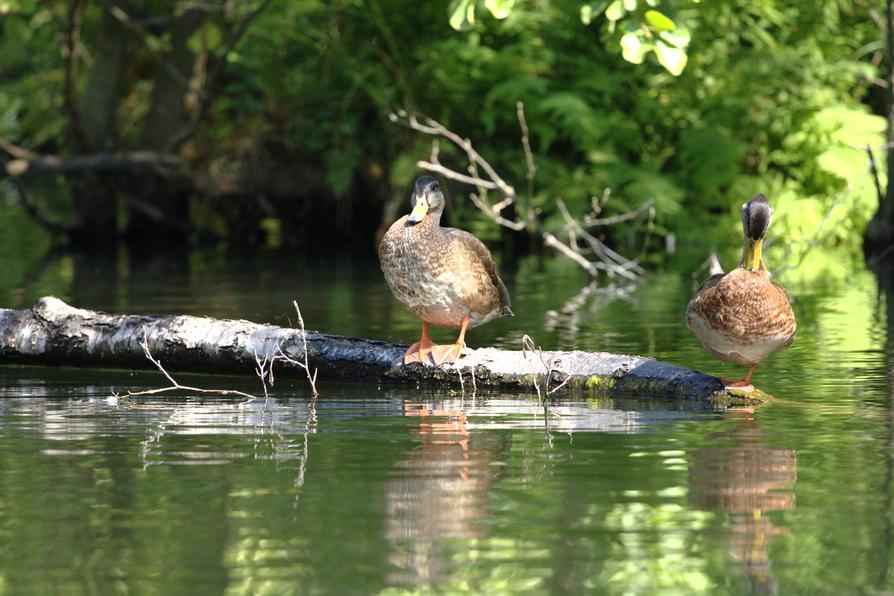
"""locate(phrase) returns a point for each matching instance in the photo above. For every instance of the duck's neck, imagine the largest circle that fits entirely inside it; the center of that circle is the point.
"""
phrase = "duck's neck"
(752, 257)
(432, 221)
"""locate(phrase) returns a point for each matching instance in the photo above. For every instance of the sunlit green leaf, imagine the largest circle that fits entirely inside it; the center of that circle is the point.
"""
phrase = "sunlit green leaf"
(590, 11)
(633, 49)
(499, 8)
(586, 14)
(659, 21)
(462, 14)
(854, 127)
(679, 38)
(629, 5)
(615, 11)
(671, 58)
(844, 162)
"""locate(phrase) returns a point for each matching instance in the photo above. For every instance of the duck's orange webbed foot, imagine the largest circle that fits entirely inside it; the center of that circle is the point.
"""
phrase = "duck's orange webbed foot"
(447, 353)
(736, 384)
(740, 383)
(420, 351)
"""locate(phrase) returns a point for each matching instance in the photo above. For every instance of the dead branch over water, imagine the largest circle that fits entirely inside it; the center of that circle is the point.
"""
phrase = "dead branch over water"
(574, 240)
(54, 333)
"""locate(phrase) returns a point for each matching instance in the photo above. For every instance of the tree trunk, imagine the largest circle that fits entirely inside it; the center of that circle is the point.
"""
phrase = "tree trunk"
(879, 234)
(93, 196)
(164, 121)
(52, 332)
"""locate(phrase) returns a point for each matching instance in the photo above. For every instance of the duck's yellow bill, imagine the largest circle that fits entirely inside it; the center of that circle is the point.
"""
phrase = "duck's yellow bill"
(420, 209)
(753, 255)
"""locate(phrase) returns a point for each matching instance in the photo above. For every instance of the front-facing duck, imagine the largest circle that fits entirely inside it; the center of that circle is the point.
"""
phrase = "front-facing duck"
(445, 276)
(742, 316)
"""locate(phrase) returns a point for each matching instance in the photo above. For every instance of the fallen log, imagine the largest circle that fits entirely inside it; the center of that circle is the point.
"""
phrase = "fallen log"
(55, 333)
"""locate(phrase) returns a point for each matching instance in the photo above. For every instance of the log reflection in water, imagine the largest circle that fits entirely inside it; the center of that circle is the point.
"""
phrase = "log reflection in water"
(442, 492)
(747, 480)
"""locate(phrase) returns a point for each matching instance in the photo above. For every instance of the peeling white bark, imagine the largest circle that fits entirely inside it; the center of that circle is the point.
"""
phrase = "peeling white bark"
(52, 332)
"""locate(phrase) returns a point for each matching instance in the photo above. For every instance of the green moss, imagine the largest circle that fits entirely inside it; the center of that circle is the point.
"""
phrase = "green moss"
(530, 380)
(600, 384)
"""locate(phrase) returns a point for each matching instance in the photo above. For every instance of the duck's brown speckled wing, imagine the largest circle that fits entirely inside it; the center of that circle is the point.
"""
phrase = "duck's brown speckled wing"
(742, 316)
(710, 282)
(483, 256)
(787, 314)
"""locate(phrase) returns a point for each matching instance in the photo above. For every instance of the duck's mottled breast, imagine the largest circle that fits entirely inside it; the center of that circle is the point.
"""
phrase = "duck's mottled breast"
(742, 316)
(442, 274)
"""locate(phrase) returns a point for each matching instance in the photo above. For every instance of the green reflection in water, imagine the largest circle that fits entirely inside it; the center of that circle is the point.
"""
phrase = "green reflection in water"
(387, 489)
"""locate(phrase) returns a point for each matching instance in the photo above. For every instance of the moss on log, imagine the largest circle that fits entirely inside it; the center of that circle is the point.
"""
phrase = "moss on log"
(55, 333)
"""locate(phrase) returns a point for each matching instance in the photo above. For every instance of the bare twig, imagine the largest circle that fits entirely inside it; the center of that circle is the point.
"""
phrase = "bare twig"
(493, 181)
(529, 155)
(650, 227)
(175, 386)
(264, 370)
(484, 177)
(614, 263)
(312, 378)
(554, 242)
(309, 427)
(528, 345)
(615, 219)
(437, 168)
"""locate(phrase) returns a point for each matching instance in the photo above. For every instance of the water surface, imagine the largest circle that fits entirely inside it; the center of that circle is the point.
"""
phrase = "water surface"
(387, 489)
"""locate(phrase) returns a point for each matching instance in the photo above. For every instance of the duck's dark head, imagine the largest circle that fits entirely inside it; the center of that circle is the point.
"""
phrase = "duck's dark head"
(756, 216)
(427, 199)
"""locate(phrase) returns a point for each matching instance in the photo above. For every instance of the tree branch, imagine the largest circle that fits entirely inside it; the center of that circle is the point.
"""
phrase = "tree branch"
(606, 259)
(27, 162)
(39, 215)
(215, 75)
(72, 34)
(526, 146)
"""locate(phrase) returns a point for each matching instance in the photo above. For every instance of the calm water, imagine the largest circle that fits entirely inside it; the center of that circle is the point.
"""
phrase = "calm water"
(386, 489)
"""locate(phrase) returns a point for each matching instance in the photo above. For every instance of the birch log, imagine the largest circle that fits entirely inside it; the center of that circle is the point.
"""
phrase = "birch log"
(55, 333)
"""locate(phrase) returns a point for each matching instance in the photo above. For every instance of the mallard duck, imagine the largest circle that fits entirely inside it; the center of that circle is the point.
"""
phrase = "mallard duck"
(742, 316)
(446, 277)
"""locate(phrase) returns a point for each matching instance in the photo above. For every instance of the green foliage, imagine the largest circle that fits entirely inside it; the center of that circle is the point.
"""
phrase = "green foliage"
(693, 105)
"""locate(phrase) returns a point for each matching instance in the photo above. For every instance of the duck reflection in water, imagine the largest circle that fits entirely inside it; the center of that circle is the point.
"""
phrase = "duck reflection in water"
(747, 480)
(441, 494)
